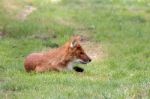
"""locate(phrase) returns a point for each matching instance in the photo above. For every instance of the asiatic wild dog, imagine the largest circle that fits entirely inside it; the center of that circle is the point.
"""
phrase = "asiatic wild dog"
(59, 59)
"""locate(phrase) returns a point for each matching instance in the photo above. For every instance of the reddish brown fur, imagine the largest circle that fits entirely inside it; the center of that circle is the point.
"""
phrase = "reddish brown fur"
(57, 59)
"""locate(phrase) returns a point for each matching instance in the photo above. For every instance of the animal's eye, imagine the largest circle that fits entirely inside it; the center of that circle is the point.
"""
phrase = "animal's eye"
(81, 52)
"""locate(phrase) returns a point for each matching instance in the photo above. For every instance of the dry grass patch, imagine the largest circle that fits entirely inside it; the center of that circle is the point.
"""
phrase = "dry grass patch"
(26, 12)
(94, 50)
(55, 1)
(11, 6)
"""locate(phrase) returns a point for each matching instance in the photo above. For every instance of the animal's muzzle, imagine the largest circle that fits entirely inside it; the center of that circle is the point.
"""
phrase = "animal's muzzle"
(85, 62)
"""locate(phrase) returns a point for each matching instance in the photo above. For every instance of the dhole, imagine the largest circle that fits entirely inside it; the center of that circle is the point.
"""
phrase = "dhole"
(59, 59)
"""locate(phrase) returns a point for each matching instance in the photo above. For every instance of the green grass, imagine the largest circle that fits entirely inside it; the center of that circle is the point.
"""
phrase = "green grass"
(122, 27)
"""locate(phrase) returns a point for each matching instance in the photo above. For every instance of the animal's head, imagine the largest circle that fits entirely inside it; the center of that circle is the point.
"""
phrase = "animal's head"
(77, 51)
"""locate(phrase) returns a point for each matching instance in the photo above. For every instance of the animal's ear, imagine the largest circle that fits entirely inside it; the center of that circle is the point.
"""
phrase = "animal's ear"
(73, 43)
(75, 40)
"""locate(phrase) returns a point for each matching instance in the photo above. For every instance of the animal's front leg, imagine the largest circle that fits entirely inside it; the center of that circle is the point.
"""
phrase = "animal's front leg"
(70, 67)
(78, 69)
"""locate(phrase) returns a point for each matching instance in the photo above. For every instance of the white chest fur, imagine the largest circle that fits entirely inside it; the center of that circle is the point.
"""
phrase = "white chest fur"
(70, 66)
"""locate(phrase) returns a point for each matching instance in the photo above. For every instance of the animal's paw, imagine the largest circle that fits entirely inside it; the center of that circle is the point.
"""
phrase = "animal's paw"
(78, 69)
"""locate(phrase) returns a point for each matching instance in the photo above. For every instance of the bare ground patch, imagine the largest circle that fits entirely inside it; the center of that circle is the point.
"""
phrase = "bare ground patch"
(55, 1)
(11, 6)
(17, 9)
(94, 50)
(25, 12)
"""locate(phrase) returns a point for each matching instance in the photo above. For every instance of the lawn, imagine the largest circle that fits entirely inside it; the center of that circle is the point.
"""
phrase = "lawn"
(120, 27)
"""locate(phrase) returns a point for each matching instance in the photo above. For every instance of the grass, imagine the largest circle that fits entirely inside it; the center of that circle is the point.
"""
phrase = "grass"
(120, 26)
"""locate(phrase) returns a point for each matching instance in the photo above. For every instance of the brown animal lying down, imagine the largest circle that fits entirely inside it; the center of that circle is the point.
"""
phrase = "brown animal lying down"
(60, 59)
